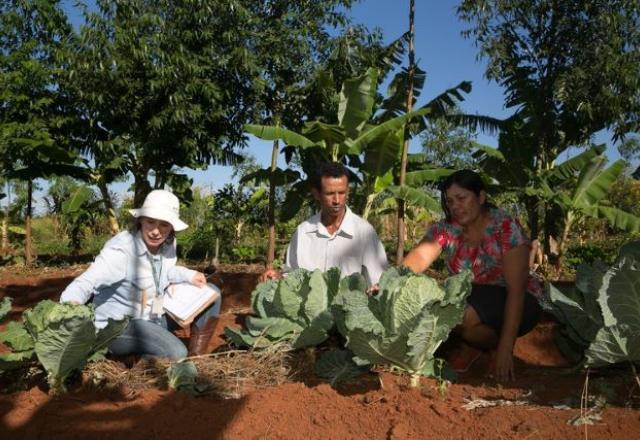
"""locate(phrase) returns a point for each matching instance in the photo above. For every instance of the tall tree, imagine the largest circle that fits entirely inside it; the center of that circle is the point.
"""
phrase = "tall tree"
(166, 84)
(32, 144)
(570, 68)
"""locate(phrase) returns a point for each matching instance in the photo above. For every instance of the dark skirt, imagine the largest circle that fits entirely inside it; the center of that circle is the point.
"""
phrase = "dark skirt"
(488, 301)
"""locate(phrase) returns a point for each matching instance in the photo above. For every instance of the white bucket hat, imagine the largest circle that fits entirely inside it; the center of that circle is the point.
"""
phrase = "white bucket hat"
(161, 205)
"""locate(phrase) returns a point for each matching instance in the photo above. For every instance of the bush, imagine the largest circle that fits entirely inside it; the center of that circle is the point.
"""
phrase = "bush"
(588, 252)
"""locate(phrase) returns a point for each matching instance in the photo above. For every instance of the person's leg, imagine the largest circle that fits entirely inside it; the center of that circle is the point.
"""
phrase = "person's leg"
(203, 329)
(212, 311)
(147, 339)
(474, 332)
(482, 323)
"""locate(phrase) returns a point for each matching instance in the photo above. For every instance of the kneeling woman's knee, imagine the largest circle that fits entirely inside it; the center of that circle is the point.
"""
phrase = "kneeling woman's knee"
(176, 351)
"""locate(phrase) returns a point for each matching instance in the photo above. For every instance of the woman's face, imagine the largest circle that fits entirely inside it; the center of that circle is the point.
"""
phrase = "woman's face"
(154, 232)
(464, 205)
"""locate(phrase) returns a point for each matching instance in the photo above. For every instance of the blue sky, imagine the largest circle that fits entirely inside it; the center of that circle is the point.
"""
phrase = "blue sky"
(441, 51)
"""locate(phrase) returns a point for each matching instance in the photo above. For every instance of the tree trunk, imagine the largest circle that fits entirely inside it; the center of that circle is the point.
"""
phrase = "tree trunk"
(108, 206)
(405, 147)
(142, 187)
(271, 245)
(28, 251)
(5, 235)
(5, 222)
(531, 206)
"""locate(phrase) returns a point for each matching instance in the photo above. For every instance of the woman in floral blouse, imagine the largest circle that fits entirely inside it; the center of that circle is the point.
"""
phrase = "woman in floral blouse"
(476, 235)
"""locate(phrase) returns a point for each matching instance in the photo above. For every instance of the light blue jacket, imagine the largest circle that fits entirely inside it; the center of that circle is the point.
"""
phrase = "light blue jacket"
(121, 278)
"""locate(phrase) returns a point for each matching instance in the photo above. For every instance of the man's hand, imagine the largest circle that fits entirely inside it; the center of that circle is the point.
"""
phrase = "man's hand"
(373, 290)
(270, 274)
(199, 280)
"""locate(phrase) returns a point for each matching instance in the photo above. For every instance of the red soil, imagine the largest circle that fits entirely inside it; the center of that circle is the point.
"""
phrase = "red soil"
(379, 405)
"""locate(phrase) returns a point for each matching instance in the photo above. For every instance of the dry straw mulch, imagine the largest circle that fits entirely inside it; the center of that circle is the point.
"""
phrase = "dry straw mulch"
(228, 374)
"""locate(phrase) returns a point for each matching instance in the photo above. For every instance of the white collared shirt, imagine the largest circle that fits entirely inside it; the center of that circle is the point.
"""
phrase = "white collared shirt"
(353, 248)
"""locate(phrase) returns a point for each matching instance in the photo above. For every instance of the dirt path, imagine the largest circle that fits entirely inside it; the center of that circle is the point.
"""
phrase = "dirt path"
(377, 406)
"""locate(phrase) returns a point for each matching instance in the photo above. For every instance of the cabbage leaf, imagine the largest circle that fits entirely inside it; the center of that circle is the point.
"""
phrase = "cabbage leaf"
(600, 317)
(295, 309)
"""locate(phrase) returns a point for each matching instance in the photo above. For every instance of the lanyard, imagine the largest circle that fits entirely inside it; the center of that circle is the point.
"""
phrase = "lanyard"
(156, 307)
(156, 274)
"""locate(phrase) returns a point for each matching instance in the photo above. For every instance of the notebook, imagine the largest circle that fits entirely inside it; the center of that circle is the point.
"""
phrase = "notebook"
(184, 301)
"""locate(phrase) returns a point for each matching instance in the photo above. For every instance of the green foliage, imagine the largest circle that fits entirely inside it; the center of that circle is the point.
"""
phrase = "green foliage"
(32, 140)
(79, 212)
(589, 253)
(601, 317)
(405, 322)
(233, 216)
(5, 307)
(559, 62)
(182, 376)
(62, 337)
(295, 308)
(168, 83)
(338, 366)
(447, 145)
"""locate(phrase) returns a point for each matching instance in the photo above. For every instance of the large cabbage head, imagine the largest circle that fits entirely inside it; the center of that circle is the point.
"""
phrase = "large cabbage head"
(405, 322)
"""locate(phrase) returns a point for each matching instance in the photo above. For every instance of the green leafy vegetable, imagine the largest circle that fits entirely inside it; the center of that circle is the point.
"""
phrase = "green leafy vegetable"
(405, 322)
(5, 307)
(338, 366)
(182, 377)
(601, 317)
(62, 337)
(295, 308)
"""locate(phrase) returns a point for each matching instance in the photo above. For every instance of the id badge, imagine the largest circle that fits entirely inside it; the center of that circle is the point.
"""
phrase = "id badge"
(156, 307)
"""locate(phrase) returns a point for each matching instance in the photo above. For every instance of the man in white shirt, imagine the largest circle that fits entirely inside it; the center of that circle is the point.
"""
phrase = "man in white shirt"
(335, 236)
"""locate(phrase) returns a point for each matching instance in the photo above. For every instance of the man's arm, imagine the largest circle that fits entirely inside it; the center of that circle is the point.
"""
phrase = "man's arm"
(374, 260)
(291, 261)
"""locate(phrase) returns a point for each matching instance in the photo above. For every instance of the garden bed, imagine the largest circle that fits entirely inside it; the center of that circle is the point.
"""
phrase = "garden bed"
(544, 401)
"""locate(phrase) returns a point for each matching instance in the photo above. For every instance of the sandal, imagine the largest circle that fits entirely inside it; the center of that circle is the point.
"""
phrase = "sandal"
(461, 360)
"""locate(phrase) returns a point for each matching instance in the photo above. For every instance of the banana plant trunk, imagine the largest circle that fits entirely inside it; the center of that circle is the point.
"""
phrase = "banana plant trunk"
(405, 148)
(108, 206)
(271, 245)
(28, 250)
(562, 246)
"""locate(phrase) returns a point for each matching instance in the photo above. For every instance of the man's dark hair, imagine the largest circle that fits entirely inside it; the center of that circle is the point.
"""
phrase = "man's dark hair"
(328, 169)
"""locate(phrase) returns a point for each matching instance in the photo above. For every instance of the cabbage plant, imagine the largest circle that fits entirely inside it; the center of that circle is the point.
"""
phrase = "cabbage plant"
(62, 337)
(404, 323)
(600, 317)
(295, 309)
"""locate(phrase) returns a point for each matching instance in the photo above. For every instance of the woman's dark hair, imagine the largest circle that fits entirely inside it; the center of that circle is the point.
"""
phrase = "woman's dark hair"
(467, 179)
(328, 169)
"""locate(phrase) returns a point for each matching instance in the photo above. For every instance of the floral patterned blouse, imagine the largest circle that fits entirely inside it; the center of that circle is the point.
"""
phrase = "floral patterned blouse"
(485, 261)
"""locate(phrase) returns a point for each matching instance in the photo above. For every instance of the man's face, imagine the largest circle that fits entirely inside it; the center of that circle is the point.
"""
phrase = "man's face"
(332, 195)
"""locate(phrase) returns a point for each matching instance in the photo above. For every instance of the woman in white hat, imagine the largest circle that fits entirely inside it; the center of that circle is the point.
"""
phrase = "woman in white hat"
(130, 276)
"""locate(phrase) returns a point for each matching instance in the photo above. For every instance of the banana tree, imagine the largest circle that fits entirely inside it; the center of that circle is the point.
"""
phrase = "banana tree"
(586, 196)
(356, 135)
